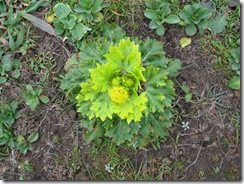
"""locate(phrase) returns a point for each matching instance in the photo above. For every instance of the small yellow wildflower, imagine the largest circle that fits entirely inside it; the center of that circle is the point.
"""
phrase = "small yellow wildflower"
(118, 94)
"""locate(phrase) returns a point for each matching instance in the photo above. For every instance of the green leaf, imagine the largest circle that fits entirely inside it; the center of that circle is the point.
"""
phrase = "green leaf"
(235, 83)
(132, 109)
(16, 74)
(59, 27)
(164, 11)
(20, 37)
(69, 21)
(33, 102)
(44, 99)
(185, 88)
(191, 30)
(151, 14)
(23, 147)
(87, 17)
(17, 115)
(11, 42)
(155, 81)
(14, 105)
(102, 107)
(126, 57)
(38, 23)
(173, 67)
(160, 30)
(188, 97)
(204, 14)
(7, 63)
(153, 24)
(38, 91)
(79, 9)
(3, 80)
(217, 24)
(150, 50)
(235, 66)
(3, 140)
(102, 75)
(159, 127)
(35, 5)
(29, 87)
(11, 143)
(172, 19)
(2, 7)
(61, 10)
(120, 132)
(186, 17)
(235, 53)
(7, 117)
(96, 7)
(33, 137)
(78, 31)
(185, 42)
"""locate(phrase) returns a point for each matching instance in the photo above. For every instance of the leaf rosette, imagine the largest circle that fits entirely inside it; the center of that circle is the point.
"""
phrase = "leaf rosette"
(113, 88)
(123, 92)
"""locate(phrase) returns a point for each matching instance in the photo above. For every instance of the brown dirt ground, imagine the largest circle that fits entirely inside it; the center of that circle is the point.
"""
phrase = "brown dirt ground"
(201, 148)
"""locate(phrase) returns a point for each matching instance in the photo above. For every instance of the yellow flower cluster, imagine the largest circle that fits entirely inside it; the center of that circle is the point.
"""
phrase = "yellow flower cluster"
(118, 94)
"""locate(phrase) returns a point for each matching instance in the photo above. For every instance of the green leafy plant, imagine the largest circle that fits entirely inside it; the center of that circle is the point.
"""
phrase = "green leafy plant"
(160, 13)
(195, 16)
(79, 71)
(218, 23)
(234, 59)
(235, 82)
(74, 22)
(24, 145)
(114, 86)
(13, 37)
(32, 6)
(8, 115)
(188, 94)
(89, 10)
(122, 91)
(33, 97)
(8, 68)
(66, 23)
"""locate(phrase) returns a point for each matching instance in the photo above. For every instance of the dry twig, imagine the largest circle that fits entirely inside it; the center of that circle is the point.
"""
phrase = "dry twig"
(195, 159)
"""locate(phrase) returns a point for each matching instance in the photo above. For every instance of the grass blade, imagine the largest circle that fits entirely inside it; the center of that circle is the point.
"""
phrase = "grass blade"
(35, 5)
(20, 37)
(11, 42)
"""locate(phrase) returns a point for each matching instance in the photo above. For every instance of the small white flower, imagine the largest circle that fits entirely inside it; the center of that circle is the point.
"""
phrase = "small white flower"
(185, 125)
(108, 168)
(86, 29)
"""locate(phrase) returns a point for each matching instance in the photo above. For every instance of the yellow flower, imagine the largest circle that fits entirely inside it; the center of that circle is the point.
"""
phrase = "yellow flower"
(118, 94)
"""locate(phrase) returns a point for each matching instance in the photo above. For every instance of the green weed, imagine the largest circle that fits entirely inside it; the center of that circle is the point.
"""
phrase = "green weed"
(8, 115)
(34, 96)
(160, 13)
